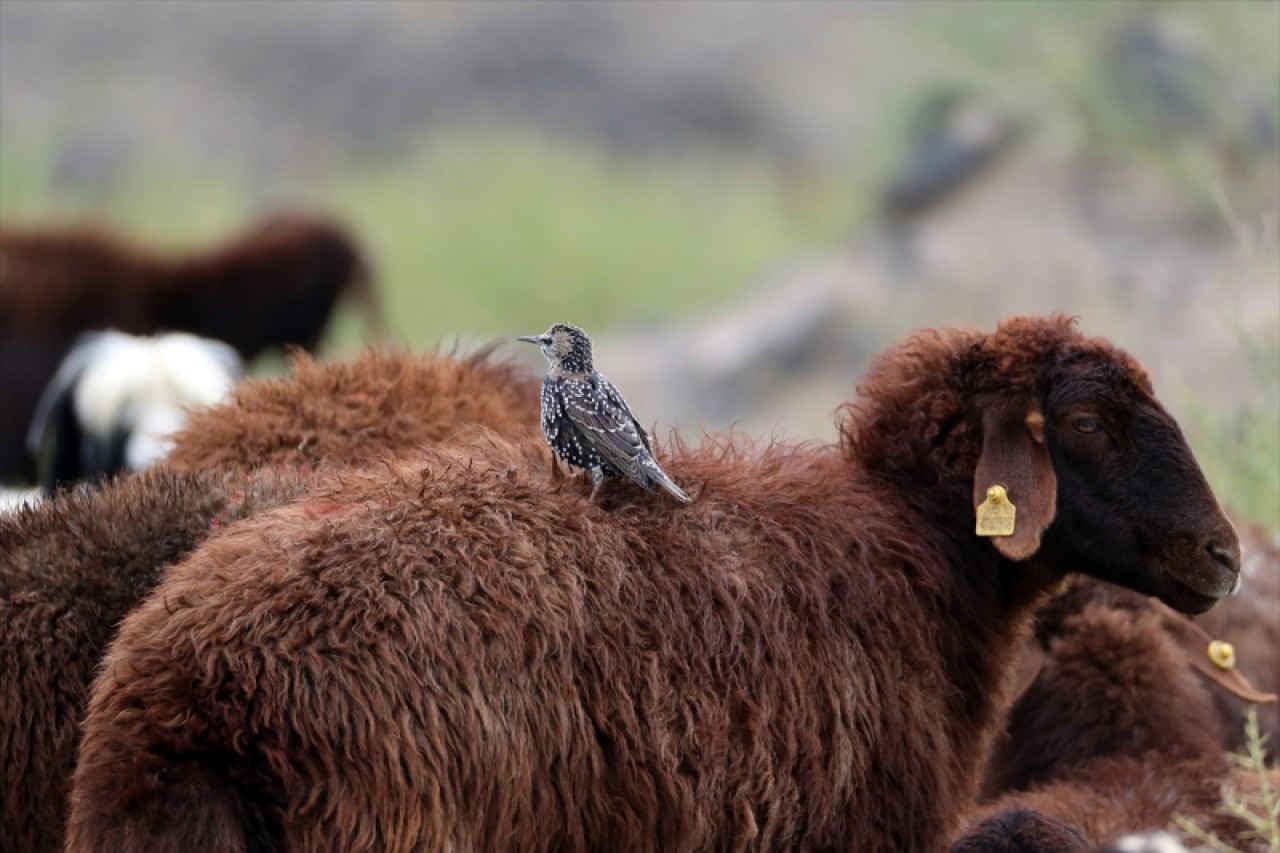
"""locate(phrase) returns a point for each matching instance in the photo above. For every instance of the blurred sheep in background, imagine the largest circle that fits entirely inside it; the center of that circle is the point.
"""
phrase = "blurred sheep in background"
(273, 286)
(117, 398)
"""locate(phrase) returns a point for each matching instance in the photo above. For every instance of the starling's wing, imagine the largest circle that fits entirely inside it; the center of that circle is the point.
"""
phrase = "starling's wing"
(647, 469)
(614, 399)
(650, 471)
(603, 419)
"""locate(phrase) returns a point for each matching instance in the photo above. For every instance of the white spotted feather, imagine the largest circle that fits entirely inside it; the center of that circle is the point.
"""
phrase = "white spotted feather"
(587, 422)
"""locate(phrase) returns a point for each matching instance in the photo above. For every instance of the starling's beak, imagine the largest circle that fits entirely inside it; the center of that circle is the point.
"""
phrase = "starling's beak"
(530, 339)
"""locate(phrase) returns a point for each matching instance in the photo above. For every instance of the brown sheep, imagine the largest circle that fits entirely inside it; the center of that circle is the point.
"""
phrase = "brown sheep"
(1250, 621)
(359, 411)
(463, 652)
(1028, 831)
(273, 286)
(1247, 621)
(88, 549)
(1116, 734)
(70, 569)
(1017, 830)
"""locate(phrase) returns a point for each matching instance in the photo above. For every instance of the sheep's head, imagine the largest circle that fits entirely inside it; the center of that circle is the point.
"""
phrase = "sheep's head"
(1100, 474)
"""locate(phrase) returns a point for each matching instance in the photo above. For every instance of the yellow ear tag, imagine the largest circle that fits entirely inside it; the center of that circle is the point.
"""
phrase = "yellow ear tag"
(996, 514)
(1222, 654)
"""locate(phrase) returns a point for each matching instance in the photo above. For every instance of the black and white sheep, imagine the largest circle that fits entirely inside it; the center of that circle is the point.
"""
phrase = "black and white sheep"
(71, 569)
(117, 398)
(273, 286)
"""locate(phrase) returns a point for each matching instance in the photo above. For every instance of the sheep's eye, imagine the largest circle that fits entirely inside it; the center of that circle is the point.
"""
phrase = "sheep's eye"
(1086, 426)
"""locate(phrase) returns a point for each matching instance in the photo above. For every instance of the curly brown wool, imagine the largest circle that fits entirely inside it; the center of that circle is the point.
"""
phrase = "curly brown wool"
(376, 405)
(1116, 734)
(458, 652)
(70, 569)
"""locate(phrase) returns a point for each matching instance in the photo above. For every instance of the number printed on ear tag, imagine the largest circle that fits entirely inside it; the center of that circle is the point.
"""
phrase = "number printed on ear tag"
(995, 514)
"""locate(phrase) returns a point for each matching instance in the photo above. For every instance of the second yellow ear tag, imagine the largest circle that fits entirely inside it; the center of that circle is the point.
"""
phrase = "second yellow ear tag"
(996, 514)
(1222, 654)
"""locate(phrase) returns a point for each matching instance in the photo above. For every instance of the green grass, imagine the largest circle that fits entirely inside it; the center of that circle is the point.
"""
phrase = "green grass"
(1258, 808)
(1240, 453)
(503, 236)
(1240, 449)
(161, 202)
(482, 235)
(1049, 59)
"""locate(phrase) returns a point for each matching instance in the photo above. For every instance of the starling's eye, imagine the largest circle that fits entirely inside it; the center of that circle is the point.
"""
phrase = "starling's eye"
(1086, 425)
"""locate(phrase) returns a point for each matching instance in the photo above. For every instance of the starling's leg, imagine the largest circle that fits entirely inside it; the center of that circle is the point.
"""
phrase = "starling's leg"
(597, 477)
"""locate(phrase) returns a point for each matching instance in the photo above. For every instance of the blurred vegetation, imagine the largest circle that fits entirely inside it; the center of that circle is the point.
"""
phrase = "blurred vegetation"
(1240, 453)
(492, 236)
(484, 234)
(1258, 807)
(1187, 115)
(1240, 448)
(496, 235)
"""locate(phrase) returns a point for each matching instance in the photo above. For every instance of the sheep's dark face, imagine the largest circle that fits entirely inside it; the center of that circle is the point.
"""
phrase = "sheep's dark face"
(1133, 506)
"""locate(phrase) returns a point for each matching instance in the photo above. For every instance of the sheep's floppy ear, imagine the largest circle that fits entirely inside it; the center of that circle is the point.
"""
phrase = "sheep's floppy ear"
(1213, 659)
(1014, 455)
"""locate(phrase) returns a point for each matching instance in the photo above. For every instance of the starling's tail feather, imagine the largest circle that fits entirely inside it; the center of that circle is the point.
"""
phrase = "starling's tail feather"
(676, 491)
(660, 477)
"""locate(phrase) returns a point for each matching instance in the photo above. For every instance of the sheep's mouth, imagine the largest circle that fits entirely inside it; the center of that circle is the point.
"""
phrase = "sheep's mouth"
(1193, 593)
(1208, 577)
(1184, 600)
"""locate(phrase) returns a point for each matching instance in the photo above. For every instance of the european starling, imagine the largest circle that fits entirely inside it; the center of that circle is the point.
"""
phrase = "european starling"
(585, 419)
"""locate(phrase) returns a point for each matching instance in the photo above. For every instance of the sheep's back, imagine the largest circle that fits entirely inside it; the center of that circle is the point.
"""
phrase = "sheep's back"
(355, 412)
(532, 666)
(70, 569)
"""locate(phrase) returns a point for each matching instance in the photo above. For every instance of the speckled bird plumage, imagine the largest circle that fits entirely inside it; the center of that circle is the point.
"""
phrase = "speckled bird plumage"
(587, 422)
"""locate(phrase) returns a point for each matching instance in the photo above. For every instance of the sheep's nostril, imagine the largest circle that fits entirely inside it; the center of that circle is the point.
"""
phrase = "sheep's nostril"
(1227, 556)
